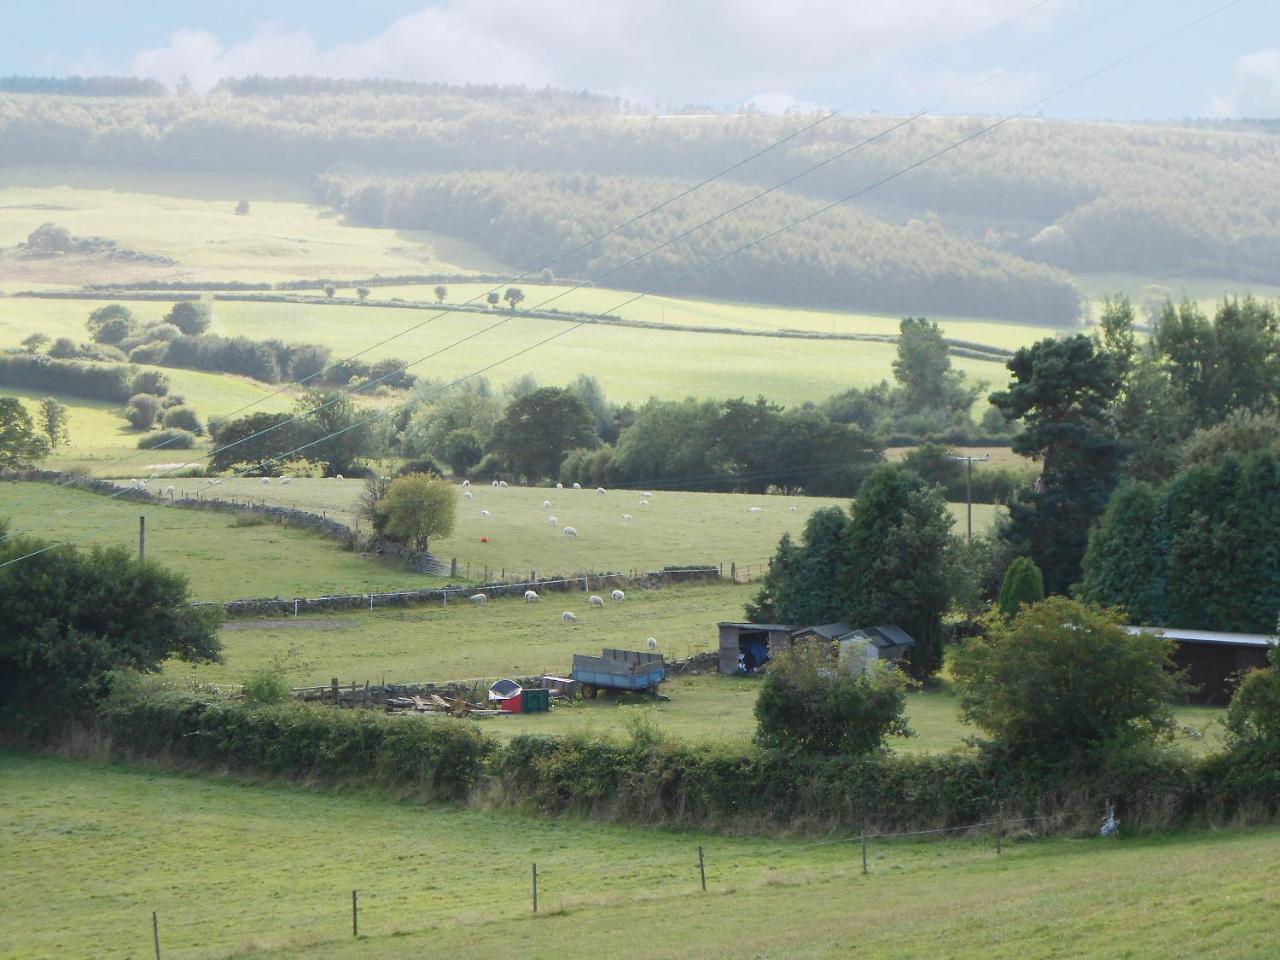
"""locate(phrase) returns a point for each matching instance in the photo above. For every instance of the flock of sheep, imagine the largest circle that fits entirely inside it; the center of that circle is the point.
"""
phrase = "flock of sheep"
(552, 520)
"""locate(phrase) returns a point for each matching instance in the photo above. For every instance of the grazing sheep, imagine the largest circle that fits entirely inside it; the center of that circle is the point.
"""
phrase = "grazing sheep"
(484, 513)
(791, 509)
(594, 601)
(626, 516)
(570, 532)
(577, 486)
(503, 484)
(266, 480)
(553, 521)
(559, 486)
(467, 495)
(493, 483)
(644, 503)
(618, 595)
(338, 476)
(530, 597)
(757, 509)
(154, 475)
(168, 491)
(546, 504)
(466, 483)
(568, 617)
(599, 491)
(653, 643)
(284, 481)
(646, 494)
(479, 598)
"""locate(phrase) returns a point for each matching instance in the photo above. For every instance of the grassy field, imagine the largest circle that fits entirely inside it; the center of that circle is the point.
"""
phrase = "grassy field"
(223, 560)
(252, 870)
(675, 528)
(190, 217)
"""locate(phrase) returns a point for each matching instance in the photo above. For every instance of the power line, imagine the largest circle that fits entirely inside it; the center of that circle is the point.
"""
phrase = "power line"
(750, 244)
(666, 243)
(822, 118)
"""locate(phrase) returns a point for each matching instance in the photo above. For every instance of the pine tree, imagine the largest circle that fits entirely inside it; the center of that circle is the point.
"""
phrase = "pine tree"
(1023, 584)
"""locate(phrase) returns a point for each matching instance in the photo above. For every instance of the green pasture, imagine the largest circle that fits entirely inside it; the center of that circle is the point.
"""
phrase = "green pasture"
(632, 364)
(675, 528)
(222, 559)
(262, 870)
(190, 217)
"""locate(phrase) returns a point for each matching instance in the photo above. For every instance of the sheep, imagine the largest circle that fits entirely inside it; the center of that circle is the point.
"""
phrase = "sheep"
(647, 494)
(626, 516)
(479, 598)
(599, 491)
(577, 486)
(653, 643)
(618, 595)
(644, 503)
(466, 483)
(568, 617)
(791, 509)
(337, 476)
(570, 532)
(757, 509)
(546, 504)
(494, 483)
(559, 486)
(467, 495)
(484, 513)
(266, 480)
(502, 484)
(530, 597)
(168, 491)
(553, 521)
(284, 481)
(594, 601)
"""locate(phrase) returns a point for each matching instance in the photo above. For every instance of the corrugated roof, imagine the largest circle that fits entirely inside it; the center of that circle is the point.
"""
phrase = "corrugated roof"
(828, 631)
(1209, 636)
(756, 626)
(895, 635)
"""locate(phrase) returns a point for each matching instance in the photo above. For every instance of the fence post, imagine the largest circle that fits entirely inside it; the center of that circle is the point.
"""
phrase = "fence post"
(155, 932)
(453, 567)
(999, 817)
(733, 571)
(535, 888)
(702, 869)
(334, 683)
(355, 914)
(864, 849)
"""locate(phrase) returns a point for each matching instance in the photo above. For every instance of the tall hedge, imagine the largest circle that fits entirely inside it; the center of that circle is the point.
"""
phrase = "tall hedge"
(68, 377)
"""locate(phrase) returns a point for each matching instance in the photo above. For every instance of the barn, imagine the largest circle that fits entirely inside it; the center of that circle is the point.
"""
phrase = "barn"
(747, 646)
(1213, 659)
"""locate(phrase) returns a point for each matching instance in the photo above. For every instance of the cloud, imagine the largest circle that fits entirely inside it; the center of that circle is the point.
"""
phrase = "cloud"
(665, 51)
(1257, 89)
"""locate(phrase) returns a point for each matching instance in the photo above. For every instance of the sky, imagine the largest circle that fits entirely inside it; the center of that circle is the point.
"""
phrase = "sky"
(891, 56)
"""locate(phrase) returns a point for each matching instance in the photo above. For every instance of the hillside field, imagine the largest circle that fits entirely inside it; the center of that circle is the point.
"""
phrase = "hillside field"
(267, 871)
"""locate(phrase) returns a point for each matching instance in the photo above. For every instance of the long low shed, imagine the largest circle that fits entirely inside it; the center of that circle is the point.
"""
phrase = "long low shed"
(1214, 659)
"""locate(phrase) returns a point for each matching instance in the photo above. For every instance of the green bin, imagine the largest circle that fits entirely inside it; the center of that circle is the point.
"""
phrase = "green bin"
(536, 701)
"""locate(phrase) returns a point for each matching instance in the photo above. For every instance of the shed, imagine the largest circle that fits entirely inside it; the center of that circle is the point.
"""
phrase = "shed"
(1214, 659)
(756, 643)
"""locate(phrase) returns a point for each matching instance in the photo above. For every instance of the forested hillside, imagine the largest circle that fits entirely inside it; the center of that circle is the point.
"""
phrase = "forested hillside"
(974, 230)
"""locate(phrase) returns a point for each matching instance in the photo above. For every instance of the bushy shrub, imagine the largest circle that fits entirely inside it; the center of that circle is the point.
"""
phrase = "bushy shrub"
(151, 353)
(170, 439)
(162, 331)
(154, 382)
(463, 449)
(189, 316)
(182, 418)
(810, 703)
(490, 467)
(1023, 584)
(266, 685)
(142, 411)
(53, 375)
(424, 465)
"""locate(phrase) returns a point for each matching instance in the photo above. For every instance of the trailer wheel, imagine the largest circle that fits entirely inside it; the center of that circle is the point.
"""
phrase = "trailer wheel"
(589, 690)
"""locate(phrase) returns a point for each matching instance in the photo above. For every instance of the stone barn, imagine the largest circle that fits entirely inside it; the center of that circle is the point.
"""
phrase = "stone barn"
(747, 646)
(1213, 659)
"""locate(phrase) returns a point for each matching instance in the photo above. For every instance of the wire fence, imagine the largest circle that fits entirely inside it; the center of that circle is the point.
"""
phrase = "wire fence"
(557, 882)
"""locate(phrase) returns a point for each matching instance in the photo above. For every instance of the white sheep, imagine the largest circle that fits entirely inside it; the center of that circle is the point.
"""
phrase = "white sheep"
(266, 480)
(653, 643)
(791, 509)
(466, 483)
(559, 486)
(503, 484)
(530, 597)
(154, 475)
(479, 598)
(546, 504)
(484, 513)
(568, 617)
(494, 483)
(757, 509)
(570, 532)
(646, 494)
(337, 476)
(553, 521)
(644, 503)
(599, 491)
(594, 601)
(626, 516)
(284, 481)
(467, 495)
(168, 491)
(577, 486)
(618, 595)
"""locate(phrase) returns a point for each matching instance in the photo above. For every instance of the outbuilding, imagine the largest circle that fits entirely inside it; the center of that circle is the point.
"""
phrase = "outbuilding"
(1213, 659)
(748, 646)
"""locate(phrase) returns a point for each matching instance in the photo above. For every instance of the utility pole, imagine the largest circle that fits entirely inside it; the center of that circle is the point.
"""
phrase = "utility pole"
(968, 486)
(142, 538)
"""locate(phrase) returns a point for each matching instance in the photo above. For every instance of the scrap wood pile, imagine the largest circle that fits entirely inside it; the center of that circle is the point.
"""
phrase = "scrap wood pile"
(435, 703)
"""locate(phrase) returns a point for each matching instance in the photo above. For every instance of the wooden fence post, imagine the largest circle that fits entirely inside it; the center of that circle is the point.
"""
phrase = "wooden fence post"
(355, 914)
(334, 683)
(155, 932)
(702, 869)
(864, 849)
(535, 888)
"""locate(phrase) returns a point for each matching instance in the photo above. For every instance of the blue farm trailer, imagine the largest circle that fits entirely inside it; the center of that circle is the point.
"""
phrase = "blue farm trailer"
(619, 670)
